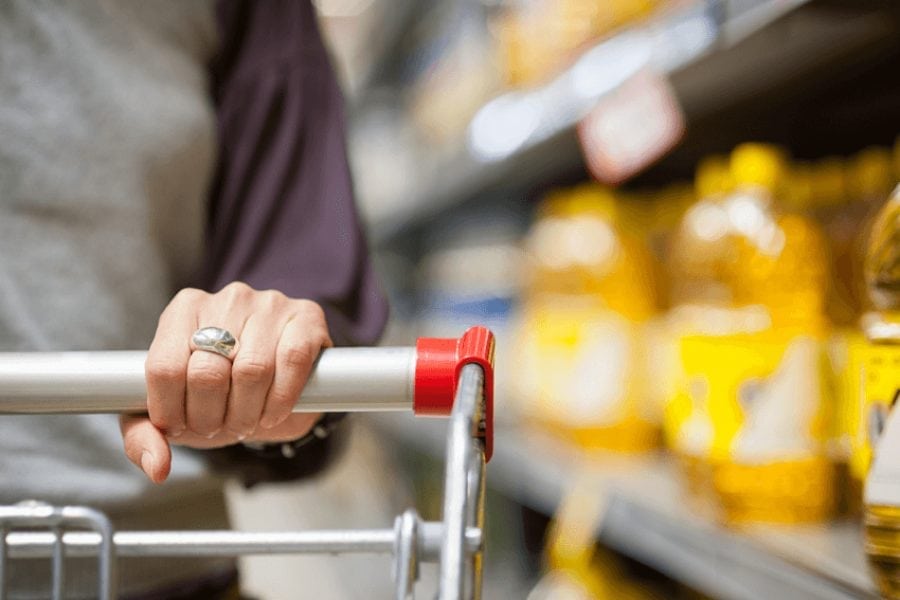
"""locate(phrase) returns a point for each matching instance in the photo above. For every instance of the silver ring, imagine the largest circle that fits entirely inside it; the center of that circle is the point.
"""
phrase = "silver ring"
(216, 340)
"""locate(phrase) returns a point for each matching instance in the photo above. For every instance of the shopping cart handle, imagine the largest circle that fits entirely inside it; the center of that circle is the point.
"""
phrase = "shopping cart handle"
(422, 379)
(438, 365)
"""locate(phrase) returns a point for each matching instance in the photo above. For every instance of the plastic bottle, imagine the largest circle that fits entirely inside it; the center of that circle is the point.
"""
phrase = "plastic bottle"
(864, 180)
(882, 384)
(695, 294)
(580, 351)
(755, 362)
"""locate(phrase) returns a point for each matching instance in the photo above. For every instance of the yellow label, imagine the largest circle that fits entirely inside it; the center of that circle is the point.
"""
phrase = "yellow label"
(846, 354)
(581, 367)
(880, 377)
(751, 398)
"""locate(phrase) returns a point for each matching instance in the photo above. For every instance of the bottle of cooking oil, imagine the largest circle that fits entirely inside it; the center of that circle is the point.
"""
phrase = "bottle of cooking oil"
(866, 183)
(755, 362)
(698, 302)
(882, 385)
(580, 348)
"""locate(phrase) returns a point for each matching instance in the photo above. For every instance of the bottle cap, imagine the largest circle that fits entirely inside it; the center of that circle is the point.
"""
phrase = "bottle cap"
(758, 164)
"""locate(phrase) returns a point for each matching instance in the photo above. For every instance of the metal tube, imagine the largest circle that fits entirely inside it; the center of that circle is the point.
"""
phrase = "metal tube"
(59, 565)
(476, 516)
(107, 579)
(210, 543)
(464, 423)
(35, 514)
(207, 543)
(431, 534)
(406, 555)
(3, 569)
(344, 380)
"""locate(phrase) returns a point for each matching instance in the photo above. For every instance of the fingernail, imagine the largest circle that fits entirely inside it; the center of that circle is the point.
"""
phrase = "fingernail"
(241, 437)
(147, 463)
(210, 436)
(176, 433)
(268, 422)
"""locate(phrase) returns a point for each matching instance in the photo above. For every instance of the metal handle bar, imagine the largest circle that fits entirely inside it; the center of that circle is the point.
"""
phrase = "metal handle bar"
(343, 380)
(231, 543)
(422, 379)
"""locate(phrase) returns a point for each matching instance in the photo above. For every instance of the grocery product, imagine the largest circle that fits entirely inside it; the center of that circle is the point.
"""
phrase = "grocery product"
(693, 296)
(882, 383)
(580, 343)
(846, 195)
(753, 403)
(535, 39)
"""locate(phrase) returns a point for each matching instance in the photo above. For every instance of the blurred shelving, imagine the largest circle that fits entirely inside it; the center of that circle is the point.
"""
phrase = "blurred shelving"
(714, 53)
(649, 517)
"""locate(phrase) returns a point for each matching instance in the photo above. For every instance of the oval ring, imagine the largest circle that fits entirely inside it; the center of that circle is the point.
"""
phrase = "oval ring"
(216, 340)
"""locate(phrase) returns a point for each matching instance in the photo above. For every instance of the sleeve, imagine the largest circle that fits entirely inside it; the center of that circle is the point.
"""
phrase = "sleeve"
(282, 212)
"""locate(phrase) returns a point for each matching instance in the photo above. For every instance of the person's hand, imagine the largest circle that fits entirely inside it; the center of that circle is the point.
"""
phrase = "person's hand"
(205, 400)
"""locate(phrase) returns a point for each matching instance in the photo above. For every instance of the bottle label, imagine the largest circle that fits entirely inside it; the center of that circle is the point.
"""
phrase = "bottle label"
(580, 368)
(880, 378)
(751, 398)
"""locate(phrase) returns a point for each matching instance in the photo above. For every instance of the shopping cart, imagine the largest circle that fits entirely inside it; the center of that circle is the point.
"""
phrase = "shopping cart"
(439, 377)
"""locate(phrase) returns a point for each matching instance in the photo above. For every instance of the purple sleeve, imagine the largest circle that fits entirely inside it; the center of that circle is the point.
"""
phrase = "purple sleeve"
(282, 211)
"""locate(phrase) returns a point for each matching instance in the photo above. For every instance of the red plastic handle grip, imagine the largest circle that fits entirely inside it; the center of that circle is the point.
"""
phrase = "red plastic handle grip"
(438, 363)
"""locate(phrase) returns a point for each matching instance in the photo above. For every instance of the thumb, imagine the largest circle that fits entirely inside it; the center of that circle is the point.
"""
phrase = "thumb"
(146, 446)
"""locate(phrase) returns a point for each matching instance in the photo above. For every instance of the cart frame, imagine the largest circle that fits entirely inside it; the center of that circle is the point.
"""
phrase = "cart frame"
(441, 375)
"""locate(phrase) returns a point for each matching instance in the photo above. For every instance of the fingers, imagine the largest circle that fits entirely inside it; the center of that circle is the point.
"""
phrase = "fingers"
(167, 359)
(208, 382)
(204, 400)
(295, 426)
(302, 339)
(146, 447)
(209, 375)
(252, 374)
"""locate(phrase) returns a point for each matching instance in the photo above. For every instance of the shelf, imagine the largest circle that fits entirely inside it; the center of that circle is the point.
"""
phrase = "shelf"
(648, 517)
(715, 54)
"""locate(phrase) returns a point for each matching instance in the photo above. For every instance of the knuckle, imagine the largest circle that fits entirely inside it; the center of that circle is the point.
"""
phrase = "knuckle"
(208, 376)
(274, 297)
(188, 296)
(160, 370)
(237, 289)
(300, 355)
(312, 311)
(252, 370)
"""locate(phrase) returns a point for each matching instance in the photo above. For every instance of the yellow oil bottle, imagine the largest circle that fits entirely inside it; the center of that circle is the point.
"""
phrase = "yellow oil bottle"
(882, 385)
(754, 371)
(697, 302)
(580, 343)
(864, 181)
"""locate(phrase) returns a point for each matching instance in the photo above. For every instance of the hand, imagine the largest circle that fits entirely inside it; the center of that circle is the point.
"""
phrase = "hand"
(204, 400)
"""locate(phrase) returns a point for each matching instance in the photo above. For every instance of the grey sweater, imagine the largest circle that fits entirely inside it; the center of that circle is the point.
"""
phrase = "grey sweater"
(108, 156)
(107, 145)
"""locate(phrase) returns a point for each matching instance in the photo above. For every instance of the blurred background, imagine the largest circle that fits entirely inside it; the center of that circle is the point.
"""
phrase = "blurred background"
(663, 210)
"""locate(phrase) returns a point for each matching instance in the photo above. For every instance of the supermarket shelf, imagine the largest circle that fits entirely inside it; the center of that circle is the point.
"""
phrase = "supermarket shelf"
(715, 54)
(647, 516)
